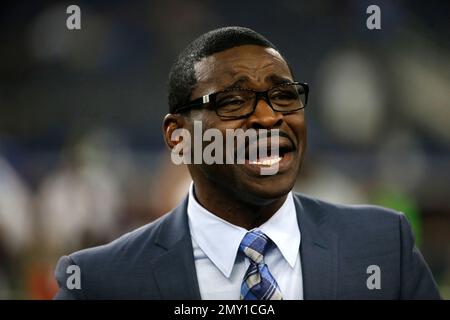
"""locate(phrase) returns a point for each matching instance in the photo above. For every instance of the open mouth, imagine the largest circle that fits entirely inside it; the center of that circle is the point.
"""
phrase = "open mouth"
(270, 159)
(266, 161)
(279, 157)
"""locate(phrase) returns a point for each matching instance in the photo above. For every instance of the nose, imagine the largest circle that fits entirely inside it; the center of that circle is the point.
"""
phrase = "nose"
(265, 117)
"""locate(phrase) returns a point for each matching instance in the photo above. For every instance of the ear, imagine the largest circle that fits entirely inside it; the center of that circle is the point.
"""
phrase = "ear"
(172, 122)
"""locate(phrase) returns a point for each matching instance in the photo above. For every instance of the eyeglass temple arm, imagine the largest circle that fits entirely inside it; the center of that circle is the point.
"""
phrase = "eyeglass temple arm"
(195, 103)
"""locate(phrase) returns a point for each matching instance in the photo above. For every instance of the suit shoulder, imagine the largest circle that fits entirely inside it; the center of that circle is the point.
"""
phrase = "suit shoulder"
(364, 214)
(362, 230)
(116, 269)
(125, 248)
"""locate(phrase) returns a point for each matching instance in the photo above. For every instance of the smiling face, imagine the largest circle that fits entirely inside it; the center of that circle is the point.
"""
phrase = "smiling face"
(258, 68)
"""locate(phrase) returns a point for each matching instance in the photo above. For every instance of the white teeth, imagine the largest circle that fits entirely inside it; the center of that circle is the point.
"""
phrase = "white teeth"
(267, 161)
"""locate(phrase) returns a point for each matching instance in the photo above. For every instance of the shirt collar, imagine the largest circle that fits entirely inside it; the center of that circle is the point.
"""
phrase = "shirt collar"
(220, 239)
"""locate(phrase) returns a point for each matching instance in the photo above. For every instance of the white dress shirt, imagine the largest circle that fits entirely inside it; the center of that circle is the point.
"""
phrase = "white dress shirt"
(221, 267)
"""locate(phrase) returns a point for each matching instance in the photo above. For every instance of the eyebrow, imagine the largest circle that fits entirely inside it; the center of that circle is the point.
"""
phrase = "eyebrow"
(238, 83)
(273, 78)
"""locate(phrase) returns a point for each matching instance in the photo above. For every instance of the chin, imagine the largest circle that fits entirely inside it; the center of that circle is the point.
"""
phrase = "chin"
(266, 189)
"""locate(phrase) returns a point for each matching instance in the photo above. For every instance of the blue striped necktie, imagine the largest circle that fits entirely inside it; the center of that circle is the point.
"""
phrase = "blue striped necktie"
(258, 283)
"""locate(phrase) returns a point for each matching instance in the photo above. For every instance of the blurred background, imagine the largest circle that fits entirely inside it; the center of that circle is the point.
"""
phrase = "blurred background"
(82, 158)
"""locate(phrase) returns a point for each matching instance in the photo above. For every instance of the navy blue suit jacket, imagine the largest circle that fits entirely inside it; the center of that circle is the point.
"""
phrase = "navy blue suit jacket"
(338, 244)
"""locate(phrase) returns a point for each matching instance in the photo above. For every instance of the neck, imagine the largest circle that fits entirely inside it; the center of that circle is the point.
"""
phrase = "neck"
(240, 213)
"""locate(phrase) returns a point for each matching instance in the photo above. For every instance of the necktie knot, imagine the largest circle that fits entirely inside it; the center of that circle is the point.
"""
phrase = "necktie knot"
(254, 245)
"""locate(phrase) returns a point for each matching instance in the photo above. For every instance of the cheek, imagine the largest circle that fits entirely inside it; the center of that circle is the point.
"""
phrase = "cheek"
(222, 126)
(297, 124)
(210, 121)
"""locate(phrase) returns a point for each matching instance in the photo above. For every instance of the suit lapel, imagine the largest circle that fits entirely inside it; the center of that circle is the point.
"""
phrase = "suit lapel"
(174, 270)
(318, 251)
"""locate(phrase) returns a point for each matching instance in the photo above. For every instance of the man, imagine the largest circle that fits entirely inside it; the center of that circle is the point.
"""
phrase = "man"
(240, 234)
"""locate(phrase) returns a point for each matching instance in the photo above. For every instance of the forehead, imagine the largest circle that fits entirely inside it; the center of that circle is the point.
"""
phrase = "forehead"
(255, 63)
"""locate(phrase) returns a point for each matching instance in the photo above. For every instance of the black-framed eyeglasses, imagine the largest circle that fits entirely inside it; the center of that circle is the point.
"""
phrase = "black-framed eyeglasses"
(238, 103)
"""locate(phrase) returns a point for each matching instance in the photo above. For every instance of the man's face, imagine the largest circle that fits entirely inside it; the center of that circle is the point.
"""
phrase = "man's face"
(256, 68)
